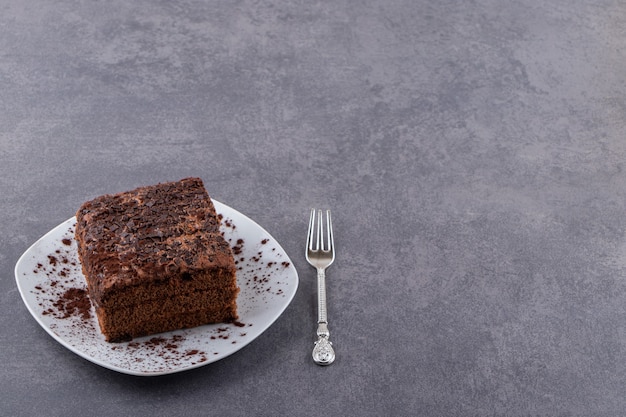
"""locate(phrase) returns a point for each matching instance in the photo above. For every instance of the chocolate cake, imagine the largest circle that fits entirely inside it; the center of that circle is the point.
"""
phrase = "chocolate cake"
(155, 261)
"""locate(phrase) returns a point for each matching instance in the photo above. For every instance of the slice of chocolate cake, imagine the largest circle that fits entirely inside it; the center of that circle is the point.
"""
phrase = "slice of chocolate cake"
(155, 261)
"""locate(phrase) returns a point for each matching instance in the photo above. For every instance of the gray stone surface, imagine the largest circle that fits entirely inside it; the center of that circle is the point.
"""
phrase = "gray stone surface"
(472, 152)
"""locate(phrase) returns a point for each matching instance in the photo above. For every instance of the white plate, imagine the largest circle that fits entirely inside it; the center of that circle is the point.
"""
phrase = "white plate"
(50, 267)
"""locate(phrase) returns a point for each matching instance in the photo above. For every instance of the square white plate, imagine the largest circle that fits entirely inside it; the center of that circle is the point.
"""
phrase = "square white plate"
(52, 285)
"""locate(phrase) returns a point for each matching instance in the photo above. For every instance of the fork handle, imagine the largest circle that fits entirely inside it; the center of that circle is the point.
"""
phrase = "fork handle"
(323, 353)
(322, 315)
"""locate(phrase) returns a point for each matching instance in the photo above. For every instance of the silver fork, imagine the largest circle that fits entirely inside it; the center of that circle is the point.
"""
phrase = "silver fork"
(320, 253)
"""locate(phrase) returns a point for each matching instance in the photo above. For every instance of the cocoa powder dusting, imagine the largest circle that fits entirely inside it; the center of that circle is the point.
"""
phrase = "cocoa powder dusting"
(74, 302)
(60, 295)
(258, 274)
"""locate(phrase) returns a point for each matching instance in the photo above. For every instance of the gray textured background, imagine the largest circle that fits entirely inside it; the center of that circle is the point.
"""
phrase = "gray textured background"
(472, 153)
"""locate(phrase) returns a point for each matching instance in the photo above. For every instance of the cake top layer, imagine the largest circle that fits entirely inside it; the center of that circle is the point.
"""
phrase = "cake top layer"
(150, 233)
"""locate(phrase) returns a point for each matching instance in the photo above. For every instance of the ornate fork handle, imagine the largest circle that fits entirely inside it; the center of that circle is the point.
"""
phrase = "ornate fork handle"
(323, 353)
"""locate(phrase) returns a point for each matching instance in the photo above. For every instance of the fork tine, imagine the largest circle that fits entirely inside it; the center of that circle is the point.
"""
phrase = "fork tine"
(329, 227)
(320, 231)
(311, 231)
